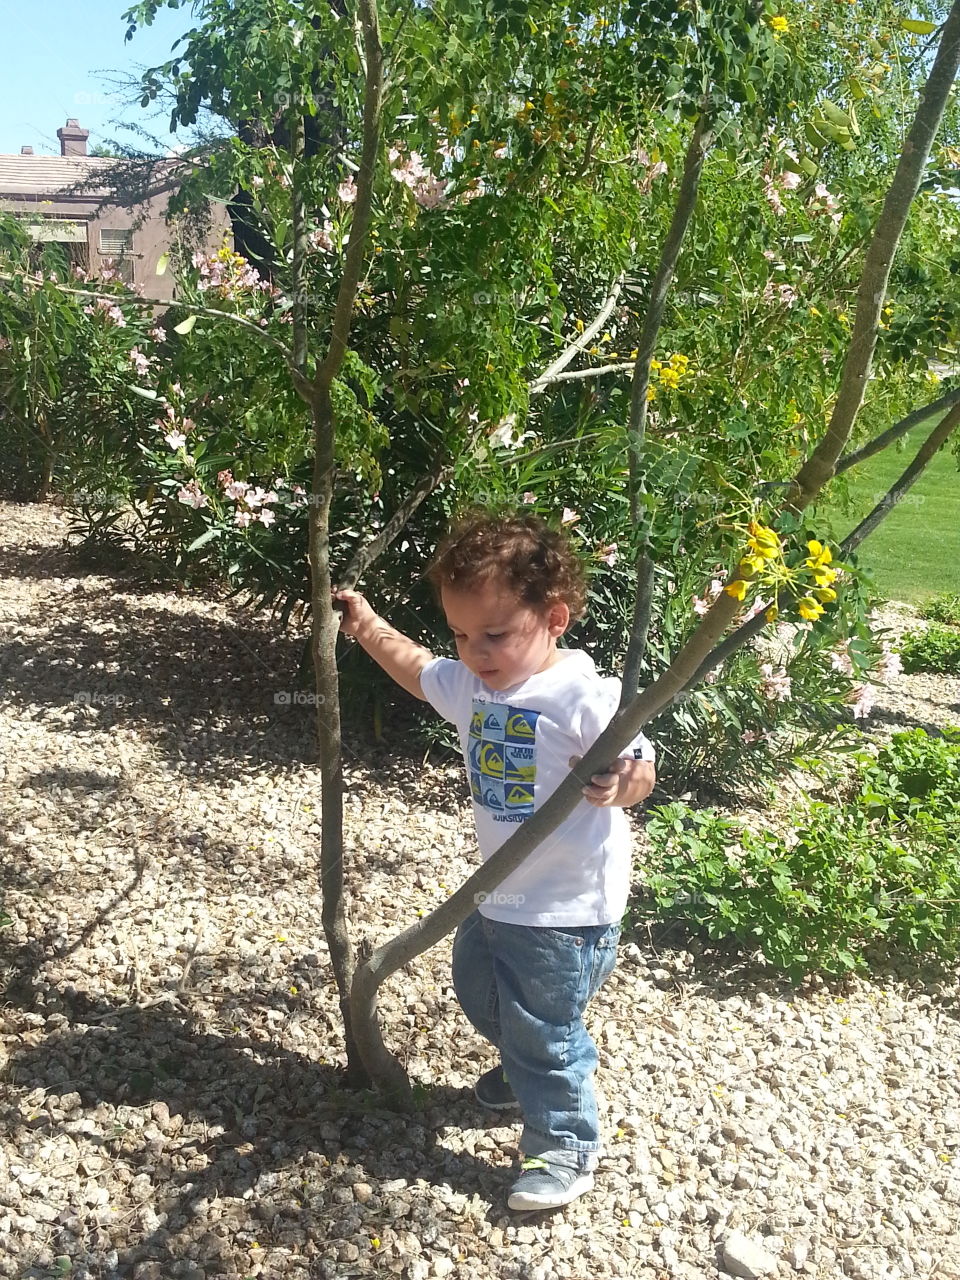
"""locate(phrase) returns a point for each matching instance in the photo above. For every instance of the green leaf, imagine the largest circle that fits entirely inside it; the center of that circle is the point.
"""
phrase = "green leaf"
(205, 538)
(834, 113)
(162, 263)
(185, 325)
(147, 392)
(919, 26)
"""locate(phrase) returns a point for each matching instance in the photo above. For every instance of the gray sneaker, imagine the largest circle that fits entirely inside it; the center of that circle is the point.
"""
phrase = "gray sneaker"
(492, 1090)
(547, 1184)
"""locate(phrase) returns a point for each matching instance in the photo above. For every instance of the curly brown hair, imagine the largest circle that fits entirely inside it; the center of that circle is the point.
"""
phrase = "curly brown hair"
(528, 557)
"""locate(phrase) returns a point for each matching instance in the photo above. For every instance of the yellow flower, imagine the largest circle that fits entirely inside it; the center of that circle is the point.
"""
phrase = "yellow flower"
(736, 589)
(651, 394)
(752, 563)
(823, 577)
(375, 1241)
(670, 378)
(826, 594)
(819, 554)
(579, 326)
(810, 608)
(679, 361)
(634, 352)
(778, 25)
(655, 364)
(772, 613)
(813, 311)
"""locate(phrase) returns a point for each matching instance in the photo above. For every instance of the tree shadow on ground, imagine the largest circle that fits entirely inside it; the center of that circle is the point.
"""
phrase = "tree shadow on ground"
(263, 1108)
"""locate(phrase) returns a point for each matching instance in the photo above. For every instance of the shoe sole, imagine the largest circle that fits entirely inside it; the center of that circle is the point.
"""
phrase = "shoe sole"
(496, 1106)
(528, 1200)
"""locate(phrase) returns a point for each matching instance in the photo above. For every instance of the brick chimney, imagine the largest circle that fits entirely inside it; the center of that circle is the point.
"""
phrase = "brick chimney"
(73, 139)
(26, 151)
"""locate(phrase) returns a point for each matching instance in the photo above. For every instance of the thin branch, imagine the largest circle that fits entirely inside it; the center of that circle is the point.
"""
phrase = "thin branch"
(583, 340)
(372, 550)
(636, 431)
(821, 464)
(907, 479)
(753, 626)
(363, 205)
(298, 219)
(572, 375)
(899, 429)
(116, 298)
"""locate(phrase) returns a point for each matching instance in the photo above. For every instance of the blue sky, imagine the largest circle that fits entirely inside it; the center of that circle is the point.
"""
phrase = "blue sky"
(60, 57)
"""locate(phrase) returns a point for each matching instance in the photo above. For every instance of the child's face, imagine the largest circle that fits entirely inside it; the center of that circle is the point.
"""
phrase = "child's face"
(499, 638)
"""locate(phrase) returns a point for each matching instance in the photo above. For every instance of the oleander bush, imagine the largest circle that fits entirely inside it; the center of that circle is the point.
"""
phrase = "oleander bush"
(882, 866)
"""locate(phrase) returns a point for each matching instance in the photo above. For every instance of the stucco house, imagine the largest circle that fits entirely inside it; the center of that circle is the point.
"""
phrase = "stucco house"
(97, 235)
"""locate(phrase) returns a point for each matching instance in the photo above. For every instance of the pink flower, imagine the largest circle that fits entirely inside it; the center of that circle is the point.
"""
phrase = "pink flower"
(236, 489)
(752, 735)
(322, 238)
(529, 497)
(784, 293)
(861, 701)
(773, 197)
(266, 517)
(256, 181)
(242, 519)
(608, 555)
(710, 596)
(890, 664)
(140, 362)
(158, 333)
(789, 181)
(569, 517)
(775, 685)
(224, 478)
(190, 495)
(176, 440)
(347, 190)
(840, 659)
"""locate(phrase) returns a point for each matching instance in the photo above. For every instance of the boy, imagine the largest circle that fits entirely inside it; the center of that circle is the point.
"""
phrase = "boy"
(526, 963)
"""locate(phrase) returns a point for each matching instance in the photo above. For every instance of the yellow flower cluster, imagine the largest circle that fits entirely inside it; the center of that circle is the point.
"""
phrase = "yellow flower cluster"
(763, 546)
(817, 564)
(668, 373)
(778, 25)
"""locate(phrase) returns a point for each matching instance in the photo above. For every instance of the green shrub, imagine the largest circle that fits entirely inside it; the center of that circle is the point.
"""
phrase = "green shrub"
(886, 864)
(937, 649)
(943, 608)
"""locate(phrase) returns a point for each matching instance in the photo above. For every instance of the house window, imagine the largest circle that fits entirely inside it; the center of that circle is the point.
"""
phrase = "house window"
(116, 250)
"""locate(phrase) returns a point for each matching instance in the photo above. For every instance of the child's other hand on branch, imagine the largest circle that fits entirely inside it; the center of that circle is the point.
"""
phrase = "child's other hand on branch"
(625, 783)
(356, 615)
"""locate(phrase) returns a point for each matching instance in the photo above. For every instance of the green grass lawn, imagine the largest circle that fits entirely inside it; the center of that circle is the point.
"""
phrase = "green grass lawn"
(915, 552)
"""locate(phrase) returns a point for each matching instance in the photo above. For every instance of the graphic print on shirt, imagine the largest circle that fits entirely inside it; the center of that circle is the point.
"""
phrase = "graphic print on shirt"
(503, 759)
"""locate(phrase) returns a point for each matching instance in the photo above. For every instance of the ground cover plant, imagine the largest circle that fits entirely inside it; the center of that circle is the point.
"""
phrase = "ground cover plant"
(883, 866)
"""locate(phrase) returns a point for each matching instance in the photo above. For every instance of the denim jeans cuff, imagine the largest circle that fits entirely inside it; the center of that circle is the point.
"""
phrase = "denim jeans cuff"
(579, 1155)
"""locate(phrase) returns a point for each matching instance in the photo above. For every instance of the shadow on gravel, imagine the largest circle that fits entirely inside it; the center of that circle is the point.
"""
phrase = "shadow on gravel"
(900, 720)
(265, 1116)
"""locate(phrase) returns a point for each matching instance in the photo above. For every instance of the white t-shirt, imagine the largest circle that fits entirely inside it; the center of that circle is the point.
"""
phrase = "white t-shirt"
(517, 746)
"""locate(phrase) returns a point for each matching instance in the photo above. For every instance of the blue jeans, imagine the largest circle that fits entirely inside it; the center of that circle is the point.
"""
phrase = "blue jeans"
(525, 989)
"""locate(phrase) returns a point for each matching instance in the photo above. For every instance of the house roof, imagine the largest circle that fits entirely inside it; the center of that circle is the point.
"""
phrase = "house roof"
(46, 175)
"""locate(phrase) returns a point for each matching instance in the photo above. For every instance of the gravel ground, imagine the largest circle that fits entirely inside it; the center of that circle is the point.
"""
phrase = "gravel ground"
(171, 1102)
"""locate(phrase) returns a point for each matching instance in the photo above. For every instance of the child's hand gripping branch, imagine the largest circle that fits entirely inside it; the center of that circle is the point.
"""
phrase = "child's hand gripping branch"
(402, 658)
(625, 783)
